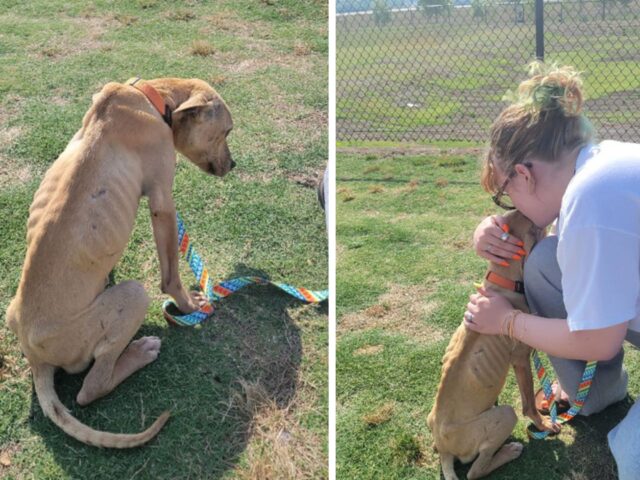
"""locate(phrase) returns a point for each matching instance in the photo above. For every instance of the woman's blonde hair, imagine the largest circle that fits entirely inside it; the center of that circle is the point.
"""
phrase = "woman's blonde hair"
(544, 121)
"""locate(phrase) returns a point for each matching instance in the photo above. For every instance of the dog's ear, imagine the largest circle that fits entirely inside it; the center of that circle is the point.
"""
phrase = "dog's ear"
(193, 104)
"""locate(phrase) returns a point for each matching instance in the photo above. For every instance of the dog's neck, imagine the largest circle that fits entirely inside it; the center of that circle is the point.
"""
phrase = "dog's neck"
(174, 97)
(157, 100)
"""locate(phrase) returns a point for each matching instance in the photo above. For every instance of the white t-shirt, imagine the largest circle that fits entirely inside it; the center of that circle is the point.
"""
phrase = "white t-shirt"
(599, 238)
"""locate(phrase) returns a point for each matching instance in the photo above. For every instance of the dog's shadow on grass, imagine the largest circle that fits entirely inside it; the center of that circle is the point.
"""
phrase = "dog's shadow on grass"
(214, 379)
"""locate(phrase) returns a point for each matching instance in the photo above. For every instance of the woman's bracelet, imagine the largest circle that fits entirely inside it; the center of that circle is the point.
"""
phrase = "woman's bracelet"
(509, 322)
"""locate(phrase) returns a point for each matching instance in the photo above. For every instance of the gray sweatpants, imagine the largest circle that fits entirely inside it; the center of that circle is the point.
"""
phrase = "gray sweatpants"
(543, 289)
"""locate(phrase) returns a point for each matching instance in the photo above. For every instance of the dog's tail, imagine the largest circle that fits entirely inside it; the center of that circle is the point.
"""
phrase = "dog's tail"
(56, 411)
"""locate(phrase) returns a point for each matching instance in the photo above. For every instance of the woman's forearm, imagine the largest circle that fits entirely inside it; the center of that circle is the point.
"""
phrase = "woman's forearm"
(553, 336)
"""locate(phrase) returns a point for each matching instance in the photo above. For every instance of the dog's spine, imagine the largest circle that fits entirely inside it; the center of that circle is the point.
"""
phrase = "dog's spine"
(56, 411)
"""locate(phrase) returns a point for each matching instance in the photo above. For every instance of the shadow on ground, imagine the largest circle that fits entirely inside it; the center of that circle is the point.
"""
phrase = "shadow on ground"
(201, 375)
(586, 457)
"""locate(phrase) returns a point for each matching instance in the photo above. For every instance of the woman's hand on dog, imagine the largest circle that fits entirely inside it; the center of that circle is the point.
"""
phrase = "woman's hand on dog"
(486, 311)
(488, 241)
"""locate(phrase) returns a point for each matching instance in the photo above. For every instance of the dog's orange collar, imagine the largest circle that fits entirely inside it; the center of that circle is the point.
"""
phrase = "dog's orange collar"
(154, 97)
(499, 280)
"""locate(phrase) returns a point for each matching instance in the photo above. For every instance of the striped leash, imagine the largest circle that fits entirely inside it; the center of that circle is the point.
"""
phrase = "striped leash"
(216, 292)
(581, 396)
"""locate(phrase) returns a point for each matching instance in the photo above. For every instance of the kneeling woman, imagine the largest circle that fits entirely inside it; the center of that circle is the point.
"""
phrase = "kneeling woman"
(583, 283)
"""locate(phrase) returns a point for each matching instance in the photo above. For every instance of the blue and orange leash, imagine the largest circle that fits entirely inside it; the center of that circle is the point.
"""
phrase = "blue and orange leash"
(216, 292)
(576, 405)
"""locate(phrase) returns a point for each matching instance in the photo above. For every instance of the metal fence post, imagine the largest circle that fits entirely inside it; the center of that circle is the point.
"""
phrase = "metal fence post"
(540, 30)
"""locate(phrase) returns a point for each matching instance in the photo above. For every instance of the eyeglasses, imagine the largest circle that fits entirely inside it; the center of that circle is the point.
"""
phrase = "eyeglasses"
(498, 197)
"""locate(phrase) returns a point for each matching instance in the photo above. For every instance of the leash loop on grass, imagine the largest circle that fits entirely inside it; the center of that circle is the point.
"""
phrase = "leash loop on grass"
(581, 396)
(216, 292)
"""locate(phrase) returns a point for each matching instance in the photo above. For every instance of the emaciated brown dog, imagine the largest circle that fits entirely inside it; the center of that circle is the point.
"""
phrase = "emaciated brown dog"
(464, 421)
(79, 225)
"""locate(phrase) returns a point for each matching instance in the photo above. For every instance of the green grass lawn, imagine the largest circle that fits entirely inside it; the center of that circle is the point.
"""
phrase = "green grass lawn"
(248, 390)
(405, 269)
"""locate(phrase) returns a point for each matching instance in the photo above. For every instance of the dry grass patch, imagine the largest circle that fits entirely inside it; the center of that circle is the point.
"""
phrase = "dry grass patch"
(144, 4)
(442, 182)
(12, 366)
(262, 60)
(126, 20)
(380, 415)
(346, 194)
(401, 310)
(6, 459)
(202, 48)
(465, 245)
(280, 448)
(181, 15)
(218, 80)
(301, 49)
(71, 43)
(371, 169)
(231, 22)
(368, 350)
(11, 172)
(376, 189)
(401, 217)
(309, 180)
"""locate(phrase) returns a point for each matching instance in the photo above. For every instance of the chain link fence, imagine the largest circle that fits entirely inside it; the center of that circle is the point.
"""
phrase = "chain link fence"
(421, 70)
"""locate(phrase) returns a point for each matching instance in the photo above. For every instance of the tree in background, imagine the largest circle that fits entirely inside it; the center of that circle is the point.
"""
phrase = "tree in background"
(381, 13)
(479, 8)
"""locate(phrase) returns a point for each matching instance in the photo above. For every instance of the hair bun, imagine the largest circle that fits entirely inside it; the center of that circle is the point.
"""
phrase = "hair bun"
(551, 88)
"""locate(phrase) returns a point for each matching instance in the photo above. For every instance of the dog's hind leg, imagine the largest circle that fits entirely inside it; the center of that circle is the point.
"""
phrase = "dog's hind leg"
(497, 424)
(118, 313)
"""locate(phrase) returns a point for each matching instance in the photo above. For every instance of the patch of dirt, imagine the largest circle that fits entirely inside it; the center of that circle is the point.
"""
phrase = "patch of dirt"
(228, 21)
(11, 172)
(280, 448)
(308, 180)
(386, 152)
(262, 57)
(6, 458)
(401, 310)
(401, 217)
(12, 364)
(260, 177)
(74, 43)
(257, 35)
(368, 350)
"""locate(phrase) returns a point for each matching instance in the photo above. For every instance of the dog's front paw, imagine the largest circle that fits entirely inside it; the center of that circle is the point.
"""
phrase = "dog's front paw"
(545, 425)
(191, 302)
